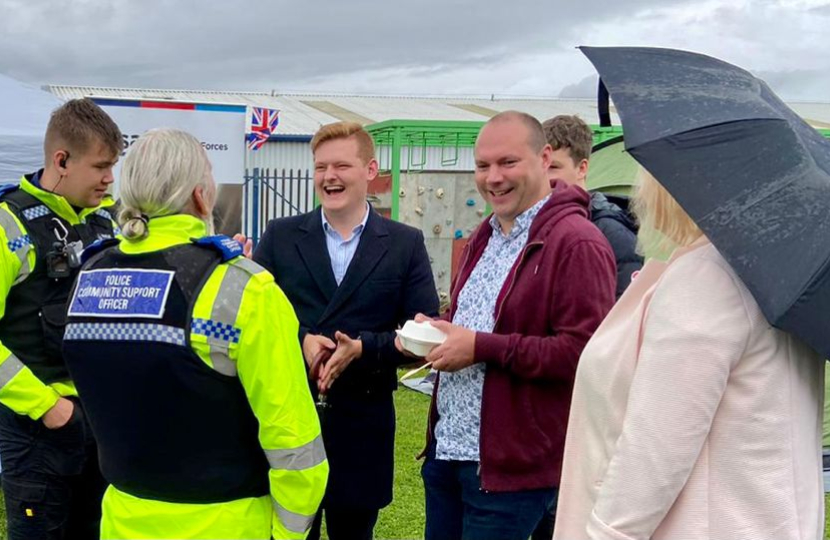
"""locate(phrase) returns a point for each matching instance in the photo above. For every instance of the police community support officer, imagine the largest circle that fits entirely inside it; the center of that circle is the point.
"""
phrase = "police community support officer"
(50, 470)
(199, 402)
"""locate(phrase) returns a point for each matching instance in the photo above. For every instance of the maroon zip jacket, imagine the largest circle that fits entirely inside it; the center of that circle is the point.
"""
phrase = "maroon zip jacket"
(554, 298)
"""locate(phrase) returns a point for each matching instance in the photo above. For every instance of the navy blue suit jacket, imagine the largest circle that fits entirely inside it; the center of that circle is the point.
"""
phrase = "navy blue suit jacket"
(388, 281)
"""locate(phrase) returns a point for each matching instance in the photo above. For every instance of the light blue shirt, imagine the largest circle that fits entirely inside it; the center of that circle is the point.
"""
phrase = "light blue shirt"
(341, 252)
(460, 392)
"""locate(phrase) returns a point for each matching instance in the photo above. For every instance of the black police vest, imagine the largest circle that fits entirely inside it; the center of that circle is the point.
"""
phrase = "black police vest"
(168, 427)
(32, 327)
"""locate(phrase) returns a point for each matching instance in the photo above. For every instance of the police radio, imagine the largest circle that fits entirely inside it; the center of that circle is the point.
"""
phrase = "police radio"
(64, 256)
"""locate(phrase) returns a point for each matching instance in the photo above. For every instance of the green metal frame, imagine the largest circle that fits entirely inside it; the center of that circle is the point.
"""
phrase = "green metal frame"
(391, 136)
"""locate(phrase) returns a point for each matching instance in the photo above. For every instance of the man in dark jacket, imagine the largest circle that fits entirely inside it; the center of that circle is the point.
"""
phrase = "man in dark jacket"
(353, 277)
(536, 279)
(571, 140)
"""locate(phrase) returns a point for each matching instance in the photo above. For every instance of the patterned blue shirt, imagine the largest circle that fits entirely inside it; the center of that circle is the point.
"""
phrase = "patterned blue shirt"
(341, 252)
(459, 393)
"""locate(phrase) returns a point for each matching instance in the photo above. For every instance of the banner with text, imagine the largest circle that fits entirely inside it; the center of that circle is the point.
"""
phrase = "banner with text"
(220, 128)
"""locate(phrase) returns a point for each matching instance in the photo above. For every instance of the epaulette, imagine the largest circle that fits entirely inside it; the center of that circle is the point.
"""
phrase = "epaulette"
(226, 246)
(97, 247)
(105, 213)
(8, 188)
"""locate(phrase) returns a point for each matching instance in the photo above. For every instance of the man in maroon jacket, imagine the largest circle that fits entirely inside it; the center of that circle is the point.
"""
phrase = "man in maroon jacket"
(536, 279)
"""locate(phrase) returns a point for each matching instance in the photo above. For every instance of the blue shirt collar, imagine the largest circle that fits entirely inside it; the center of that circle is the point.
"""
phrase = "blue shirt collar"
(35, 179)
(327, 227)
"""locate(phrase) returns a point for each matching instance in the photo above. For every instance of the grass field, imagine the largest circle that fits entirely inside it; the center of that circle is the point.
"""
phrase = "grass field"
(404, 518)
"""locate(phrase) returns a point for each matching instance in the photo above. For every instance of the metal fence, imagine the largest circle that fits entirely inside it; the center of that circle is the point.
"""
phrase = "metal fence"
(274, 193)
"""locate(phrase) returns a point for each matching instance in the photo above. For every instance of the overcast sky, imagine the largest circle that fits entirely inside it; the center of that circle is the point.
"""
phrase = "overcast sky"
(481, 47)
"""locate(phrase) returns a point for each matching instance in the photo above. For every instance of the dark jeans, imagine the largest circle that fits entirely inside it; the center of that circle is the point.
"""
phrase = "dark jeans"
(457, 507)
(345, 523)
(51, 481)
(544, 530)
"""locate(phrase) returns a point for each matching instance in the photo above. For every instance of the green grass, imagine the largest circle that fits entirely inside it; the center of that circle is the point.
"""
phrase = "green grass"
(404, 518)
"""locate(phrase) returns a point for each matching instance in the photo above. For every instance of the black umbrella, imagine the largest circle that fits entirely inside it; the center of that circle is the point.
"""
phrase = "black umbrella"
(753, 175)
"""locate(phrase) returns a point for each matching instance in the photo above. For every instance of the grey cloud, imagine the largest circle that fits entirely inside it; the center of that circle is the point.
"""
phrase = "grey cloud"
(586, 88)
(798, 84)
(269, 43)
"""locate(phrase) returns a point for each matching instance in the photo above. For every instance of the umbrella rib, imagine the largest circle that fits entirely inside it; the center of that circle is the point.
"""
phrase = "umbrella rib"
(700, 128)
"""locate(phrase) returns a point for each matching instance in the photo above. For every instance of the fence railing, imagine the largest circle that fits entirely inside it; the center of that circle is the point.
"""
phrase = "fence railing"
(274, 193)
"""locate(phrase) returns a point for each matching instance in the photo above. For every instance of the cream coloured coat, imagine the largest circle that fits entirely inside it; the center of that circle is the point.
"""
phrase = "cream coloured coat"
(692, 418)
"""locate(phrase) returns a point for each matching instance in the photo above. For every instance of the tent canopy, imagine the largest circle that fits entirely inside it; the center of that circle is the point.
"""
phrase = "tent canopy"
(24, 114)
(612, 170)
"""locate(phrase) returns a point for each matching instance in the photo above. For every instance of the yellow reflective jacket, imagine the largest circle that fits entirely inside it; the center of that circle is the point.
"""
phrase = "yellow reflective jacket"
(269, 363)
(20, 389)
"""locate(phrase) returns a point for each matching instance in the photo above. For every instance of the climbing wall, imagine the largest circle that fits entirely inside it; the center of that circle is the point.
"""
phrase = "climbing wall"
(380, 194)
(447, 207)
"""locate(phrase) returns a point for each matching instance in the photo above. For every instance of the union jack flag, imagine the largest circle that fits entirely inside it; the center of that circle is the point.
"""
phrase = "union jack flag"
(263, 123)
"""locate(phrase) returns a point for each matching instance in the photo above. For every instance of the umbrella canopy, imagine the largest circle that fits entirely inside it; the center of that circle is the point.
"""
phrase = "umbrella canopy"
(752, 174)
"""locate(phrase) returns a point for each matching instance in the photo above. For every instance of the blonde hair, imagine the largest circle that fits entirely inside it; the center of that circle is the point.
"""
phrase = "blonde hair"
(664, 225)
(346, 130)
(158, 177)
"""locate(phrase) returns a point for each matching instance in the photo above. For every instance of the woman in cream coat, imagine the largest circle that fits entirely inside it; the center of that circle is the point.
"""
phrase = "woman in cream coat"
(692, 418)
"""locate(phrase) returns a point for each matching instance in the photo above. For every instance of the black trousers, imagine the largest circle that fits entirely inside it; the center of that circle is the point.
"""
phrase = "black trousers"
(51, 481)
(345, 523)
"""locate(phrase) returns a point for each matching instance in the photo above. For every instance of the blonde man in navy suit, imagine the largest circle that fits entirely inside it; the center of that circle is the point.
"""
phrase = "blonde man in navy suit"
(353, 277)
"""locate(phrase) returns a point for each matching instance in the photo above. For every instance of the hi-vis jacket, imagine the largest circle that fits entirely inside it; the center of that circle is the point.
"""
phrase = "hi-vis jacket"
(187, 361)
(23, 280)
